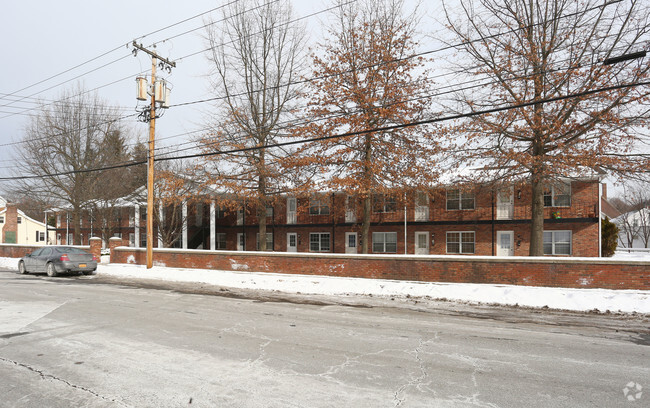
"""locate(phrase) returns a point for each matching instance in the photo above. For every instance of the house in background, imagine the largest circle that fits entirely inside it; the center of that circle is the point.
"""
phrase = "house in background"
(634, 229)
(18, 228)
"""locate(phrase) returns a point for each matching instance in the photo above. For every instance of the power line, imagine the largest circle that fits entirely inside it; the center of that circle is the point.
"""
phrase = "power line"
(348, 134)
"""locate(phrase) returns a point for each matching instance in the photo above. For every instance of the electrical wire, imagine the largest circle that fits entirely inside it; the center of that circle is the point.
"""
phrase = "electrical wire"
(347, 134)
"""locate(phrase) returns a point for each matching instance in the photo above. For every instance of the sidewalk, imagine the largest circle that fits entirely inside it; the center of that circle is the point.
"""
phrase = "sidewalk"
(626, 301)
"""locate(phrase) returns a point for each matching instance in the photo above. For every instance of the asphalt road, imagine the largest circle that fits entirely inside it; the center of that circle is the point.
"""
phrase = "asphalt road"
(100, 342)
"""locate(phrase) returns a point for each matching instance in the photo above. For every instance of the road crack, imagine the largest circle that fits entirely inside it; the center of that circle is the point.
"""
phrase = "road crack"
(46, 376)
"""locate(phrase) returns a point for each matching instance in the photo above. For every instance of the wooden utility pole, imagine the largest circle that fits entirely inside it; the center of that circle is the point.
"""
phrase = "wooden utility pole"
(150, 161)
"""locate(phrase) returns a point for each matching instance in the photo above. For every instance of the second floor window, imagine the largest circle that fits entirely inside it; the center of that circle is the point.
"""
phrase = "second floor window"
(319, 206)
(558, 195)
(460, 200)
(383, 204)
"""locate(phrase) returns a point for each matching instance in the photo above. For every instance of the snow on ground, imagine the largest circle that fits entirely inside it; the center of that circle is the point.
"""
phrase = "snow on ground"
(627, 301)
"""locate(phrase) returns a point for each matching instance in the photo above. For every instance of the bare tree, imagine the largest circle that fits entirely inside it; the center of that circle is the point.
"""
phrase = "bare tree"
(256, 56)
(549, 56)
(634, 223)
(63, 141)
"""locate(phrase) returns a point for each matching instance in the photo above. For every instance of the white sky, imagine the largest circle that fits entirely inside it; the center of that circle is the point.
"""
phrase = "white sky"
(45, 38)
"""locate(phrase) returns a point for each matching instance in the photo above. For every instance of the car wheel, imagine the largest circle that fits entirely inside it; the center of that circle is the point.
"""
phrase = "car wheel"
(21, 268)
(51, 271)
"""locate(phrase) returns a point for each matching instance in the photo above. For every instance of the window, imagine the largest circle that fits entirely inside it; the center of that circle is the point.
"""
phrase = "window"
(220, 240)
(291, 210)
(460, 242)
(269, 241)
(558, 195)
(383, 204)
(143, 240)
(2, 219)
(319, 206)
(19, 220)
(58, 220)
(219, 212)
(143, 213)
(384, 242)
(319, 242)
(421, 206)
(131, 239)
(557, 242)
(118, 234)
(41, 236)
(460, 200)
(269, 211)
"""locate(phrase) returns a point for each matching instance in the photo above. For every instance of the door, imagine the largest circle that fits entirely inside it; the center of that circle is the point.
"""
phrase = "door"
(292, 242)
(505, 243)
(351, 242)
(421, 243)
(505, 203)
(241, 241)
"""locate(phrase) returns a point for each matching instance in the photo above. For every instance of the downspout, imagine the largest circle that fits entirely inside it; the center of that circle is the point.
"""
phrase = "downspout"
(600, 218)
(492, 202)
(405, 229)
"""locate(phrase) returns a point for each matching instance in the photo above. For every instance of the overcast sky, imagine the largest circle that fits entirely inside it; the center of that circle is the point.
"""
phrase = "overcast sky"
(44, 38)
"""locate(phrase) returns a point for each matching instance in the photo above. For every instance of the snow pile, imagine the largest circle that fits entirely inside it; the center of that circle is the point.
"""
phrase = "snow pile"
(555, 298)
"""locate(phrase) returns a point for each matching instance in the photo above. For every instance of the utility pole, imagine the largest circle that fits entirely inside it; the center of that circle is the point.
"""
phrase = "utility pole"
(159, 94)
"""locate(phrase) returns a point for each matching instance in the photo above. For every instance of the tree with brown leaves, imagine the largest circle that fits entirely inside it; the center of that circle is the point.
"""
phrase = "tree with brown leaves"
(554, 56)
(366, 77)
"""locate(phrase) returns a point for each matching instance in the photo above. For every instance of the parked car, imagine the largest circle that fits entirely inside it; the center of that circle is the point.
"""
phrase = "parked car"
(58, 259)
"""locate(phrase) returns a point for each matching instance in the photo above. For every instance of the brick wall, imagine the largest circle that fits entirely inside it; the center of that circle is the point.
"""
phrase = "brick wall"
(552, 272)
(11, 224)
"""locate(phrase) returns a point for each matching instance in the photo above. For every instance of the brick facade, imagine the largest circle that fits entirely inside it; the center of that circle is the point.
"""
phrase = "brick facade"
(579, 216)
(549, 272)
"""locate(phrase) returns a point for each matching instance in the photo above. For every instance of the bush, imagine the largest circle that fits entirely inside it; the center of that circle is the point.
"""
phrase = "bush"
(609, 236)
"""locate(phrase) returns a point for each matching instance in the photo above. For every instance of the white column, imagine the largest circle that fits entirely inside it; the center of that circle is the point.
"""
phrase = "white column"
(161, 217)
(184, 217)
(136, 224)
(213, 226)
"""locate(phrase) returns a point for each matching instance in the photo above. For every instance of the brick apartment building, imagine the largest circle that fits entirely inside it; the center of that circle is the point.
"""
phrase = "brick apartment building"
(481, 221)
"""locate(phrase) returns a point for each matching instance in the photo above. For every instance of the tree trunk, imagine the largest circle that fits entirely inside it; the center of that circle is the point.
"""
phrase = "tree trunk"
(76, 223)
(537, 214)
(365, 224)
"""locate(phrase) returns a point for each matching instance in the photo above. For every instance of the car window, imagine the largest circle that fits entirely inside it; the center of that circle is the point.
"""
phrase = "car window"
(46, 252)
(71, 250)
(37, 252)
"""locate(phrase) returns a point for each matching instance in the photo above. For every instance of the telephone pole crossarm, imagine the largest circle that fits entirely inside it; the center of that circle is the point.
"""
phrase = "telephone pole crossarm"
(153, 54)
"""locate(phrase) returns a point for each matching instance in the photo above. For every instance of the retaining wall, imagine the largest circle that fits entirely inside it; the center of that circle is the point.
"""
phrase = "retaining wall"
(538, 271)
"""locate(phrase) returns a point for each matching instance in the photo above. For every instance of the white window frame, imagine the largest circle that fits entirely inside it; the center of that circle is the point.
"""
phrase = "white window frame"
(462, 196)
(269, 241)
(320, 242)
(217, 241)
(460, 242)
(553, 242)
(319, 206)
(292, 210)
(556, 194)
(382, 204)
(380, 242)
(2, 219)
